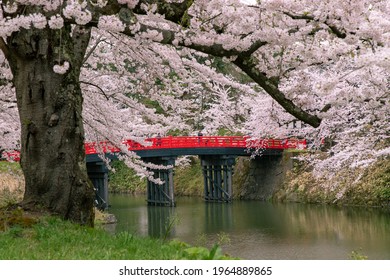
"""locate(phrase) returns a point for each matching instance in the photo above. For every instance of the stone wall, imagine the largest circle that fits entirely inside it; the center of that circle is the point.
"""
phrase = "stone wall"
(261, 177)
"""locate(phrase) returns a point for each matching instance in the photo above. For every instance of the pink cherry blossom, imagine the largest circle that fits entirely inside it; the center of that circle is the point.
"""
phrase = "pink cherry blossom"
(331, 58)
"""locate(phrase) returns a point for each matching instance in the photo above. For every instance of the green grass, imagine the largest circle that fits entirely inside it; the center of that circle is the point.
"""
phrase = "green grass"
(357, 255)
(54, 239)
(125, 179)
(10, 167)
(189, 180)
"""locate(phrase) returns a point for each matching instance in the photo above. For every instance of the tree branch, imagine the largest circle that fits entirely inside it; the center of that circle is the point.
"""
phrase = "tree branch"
(90, 52)
(4, 48)
(8, 101)
(99, 88)
(248, 65)
(340, 34)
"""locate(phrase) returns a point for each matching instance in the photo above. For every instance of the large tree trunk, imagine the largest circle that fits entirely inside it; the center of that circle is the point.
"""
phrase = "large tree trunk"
(50, 107)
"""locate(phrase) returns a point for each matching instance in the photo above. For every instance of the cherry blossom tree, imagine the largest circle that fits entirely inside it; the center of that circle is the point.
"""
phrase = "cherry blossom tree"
(100, 69)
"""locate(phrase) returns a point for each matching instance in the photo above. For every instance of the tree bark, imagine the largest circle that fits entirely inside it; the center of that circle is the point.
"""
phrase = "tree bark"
(52, 134)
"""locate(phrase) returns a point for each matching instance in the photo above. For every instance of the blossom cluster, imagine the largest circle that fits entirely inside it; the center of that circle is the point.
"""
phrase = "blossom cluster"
(77, 10)
(61, 69)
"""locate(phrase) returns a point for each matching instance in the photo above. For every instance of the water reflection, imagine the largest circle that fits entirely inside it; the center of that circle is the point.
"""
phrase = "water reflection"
(259, 230)
(217, 217)
(161, 222)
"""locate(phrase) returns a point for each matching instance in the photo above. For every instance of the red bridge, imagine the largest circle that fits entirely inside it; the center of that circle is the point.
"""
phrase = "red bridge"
(188, 145)
(217, 154)
(199, 143)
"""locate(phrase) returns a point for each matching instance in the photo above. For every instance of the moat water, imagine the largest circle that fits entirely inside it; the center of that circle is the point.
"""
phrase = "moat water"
(261, 230)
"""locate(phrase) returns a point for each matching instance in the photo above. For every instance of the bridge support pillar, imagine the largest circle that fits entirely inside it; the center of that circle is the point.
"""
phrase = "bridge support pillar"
(161, 195)
(98, 174)
(218, 177)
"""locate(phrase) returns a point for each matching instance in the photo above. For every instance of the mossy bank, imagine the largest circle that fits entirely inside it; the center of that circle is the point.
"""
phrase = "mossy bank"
(369, 186)
(285, 178)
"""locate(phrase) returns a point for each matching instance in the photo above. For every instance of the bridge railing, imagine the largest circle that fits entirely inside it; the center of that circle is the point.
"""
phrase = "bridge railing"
(194, 142)
(269, 143)
(178, 142)
(12, 155)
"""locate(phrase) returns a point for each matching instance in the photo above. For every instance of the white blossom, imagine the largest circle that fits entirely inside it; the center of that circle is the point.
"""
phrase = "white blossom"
(56, 22)
(130, 3)
(111, 23)
(10, 8)
(61, 69)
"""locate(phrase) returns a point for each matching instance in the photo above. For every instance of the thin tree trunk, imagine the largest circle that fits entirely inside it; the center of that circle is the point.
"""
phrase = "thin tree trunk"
(52, 134)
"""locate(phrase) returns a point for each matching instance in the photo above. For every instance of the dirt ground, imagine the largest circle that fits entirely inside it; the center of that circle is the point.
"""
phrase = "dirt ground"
(11, 188)
(11, 183)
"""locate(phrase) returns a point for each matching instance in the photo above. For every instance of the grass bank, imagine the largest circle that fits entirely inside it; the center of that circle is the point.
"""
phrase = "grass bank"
(369, 186)
(188, 180)
(51, 238)
(125, 180)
